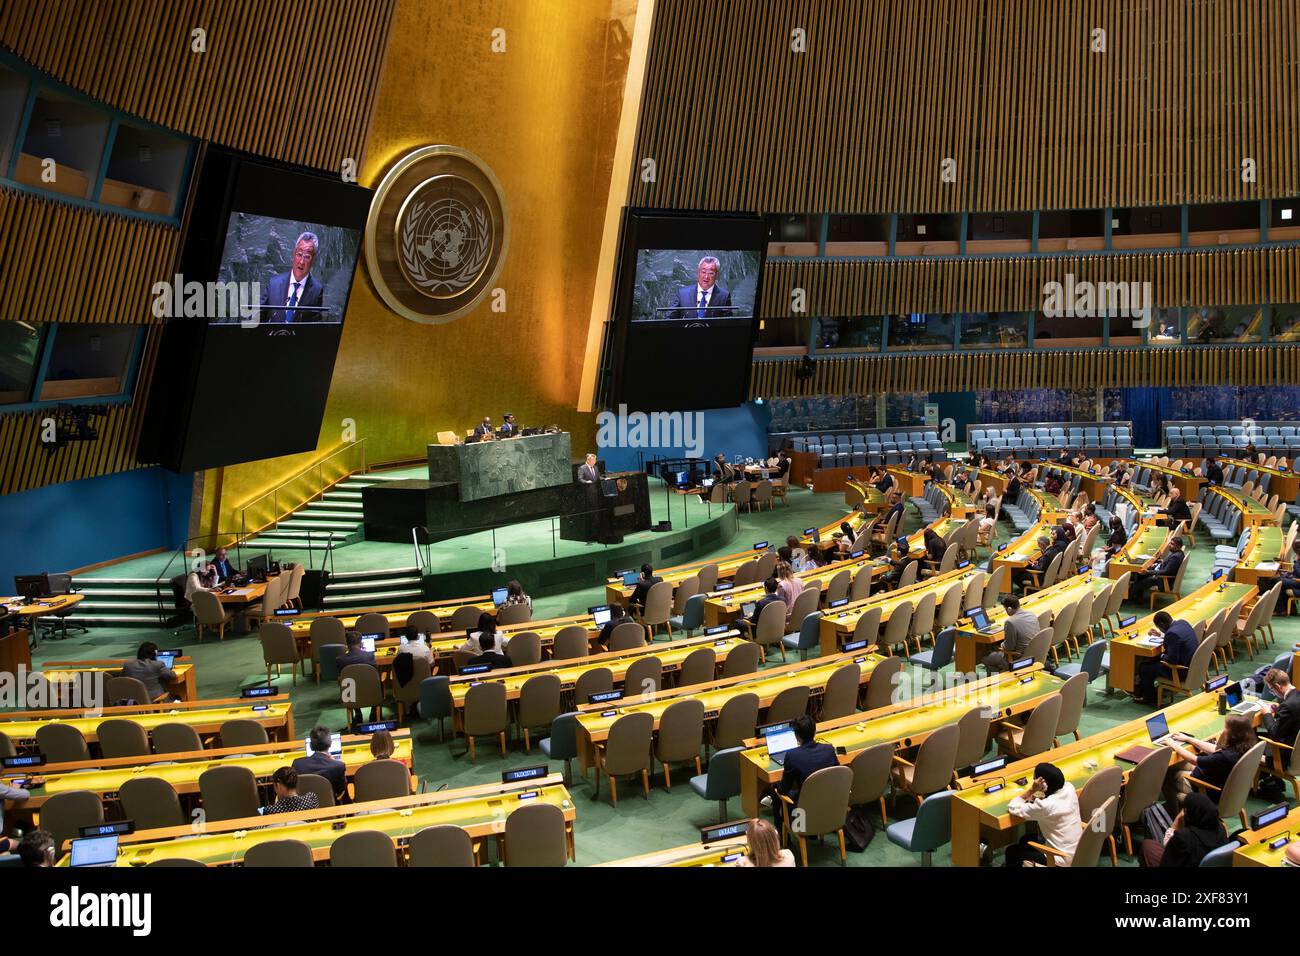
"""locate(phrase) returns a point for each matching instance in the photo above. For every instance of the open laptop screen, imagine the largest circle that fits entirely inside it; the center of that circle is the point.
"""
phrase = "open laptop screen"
(1157, 726)
(94, 851)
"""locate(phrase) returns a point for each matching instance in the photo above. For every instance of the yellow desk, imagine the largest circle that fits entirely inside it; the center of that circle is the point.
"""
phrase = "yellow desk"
(1132, 646)
(906, 724)
(1284, 484)
(1143, 545)
(1262, 559)
(722, 853)
(836, 627)
(182, 771)
(1258, 850)
(979, 816)
(397, 614)
(64, 672)
(205, 716)
(1253, 513)
(480, 811)
(727, 607)
(595, 720)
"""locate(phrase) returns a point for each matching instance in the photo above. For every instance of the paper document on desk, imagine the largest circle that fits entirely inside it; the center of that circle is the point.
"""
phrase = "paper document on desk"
(1266, 566)
(240, 592)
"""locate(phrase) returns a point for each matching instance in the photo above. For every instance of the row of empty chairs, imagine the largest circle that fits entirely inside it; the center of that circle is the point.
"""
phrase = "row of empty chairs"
(1200, 440)
(861, 449)
(1111, 441)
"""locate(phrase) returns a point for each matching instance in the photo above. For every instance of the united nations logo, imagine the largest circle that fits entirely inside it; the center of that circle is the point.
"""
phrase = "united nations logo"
(437, 234)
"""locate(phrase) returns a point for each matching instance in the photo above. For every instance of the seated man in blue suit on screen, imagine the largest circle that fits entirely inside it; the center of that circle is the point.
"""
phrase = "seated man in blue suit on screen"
(705, 299)
(297, 287)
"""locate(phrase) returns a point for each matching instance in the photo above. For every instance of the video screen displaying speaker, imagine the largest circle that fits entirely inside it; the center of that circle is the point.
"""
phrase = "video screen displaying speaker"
(255, 315)
(686, 298)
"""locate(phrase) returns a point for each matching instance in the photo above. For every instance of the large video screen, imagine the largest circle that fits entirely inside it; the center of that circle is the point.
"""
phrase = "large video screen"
(287, 271)
(244, 370)
(685, 314)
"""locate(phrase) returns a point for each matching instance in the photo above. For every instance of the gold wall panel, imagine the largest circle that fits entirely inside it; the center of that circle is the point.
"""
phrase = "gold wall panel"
(263, 57)
(544, 116)
(1010, 90)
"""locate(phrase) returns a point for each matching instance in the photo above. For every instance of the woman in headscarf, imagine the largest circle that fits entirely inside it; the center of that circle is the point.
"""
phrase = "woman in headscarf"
(1052, 803)
(1196, 831)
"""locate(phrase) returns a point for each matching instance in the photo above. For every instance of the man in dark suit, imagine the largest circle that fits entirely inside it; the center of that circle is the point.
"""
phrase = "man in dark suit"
(648, 580)
(488, 653)
(587, 472)
(770, 594)
(225, 569)
(1180, 645)
(289, 290)
(803, 761)
(1164, 569)
(320, 762)
(1213, 471)
(508, 427)
(1283, 724)
(484, 429)
(1046, 551)
(1177, 510)
(705, 299)
(355, 654)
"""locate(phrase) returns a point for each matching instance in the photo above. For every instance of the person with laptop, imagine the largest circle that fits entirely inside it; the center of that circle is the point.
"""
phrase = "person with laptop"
(1018, 630)
(1208, 760)
(1052, 803)
(607, 629)
(355, 654)
(202, 578)
(148, 670)
(1046, 551)
(803, 760)
(321, 762)
(487, 626)
(515, 595)
(415, 644)
(764, 847)
(1162, 567)
(1196, 831)
(1213, 471)
(648, 580)
(771, 592)
(488, 653)
(287, 797)
(1282, 722)
(36, 849)
(226, 570)
(1179, 644)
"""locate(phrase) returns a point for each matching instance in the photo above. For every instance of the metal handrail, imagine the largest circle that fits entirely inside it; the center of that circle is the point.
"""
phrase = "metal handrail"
(320, 488)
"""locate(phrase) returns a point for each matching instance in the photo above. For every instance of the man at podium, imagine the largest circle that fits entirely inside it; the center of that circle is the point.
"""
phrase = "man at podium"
(705, 299)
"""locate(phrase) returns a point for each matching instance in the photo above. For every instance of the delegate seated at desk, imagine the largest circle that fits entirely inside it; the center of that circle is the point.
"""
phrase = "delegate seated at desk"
(321, 763)
(148, 670)
(484, 430)
(1020, 628)
(1179, 646)
(1165, 568)
(225, 569)
(803, 761)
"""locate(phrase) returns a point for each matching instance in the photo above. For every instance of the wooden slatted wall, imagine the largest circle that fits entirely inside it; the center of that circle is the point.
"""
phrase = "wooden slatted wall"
(263, 59)
(1011, 90)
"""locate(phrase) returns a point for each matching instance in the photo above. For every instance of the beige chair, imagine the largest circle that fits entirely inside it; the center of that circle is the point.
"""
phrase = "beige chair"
(278, 647)
(1035, 737)
(441, 846)
(762, 495)
(126, 688)
(950, 609)
(519, 613)
(175, 739)
(151, 803)
(1096, 831)
(993, 589)
(838, 589)
(771, 628)
(61, 743)
(363, 848)
(406, 697)
(790, 703)
(625, 751)
(840, 697)
(868, 626)
(923, 619)
(272, 599)
(423, 622)
(293, 595)
(1074, 695)
(821, 808)
(936, 759)
(64, 814)
(1038, 582)
(381, 780)
(1236, 789)
(1285, 764)
(359, 689)
(315, 783)
(1036, 648)
(972, 738)
(872, 774)
(279, 853)
(209, 612)
(1104, 785)
(741, 659)
(974, 593)
(1115, 606)
(745, 574)
(1185, 681)
(685, 590)
(241, 732)
(538, 705)
(643, 678)
(122, 738)
(465, 618)
(372, 622)
(898, 628)
(228, 793)
(737, 721)
(535, 835)
(658, 609)
(597, 680)
(681, 736)
(486, 715)
(524, 647)
(329, 630)
(572, 642)
(909, 575)
(7, 748)
(707, 578)
(882, 684)
(627, 636)
(741, 494)
(861, 589)
(698, 667)
(1061, 627)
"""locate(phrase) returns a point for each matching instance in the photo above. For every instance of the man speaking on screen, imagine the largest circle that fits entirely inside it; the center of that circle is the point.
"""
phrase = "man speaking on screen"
(287, 293)
(705, 299)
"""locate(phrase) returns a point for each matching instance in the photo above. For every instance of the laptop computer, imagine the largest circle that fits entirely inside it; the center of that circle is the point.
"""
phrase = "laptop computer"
(630, 578)
(600, 614)
(368, 642)
(979, 618)
(779, 740)
(748, 609)
(1158, 730)
(336, 745)
(166, 660)
(94, 851)
(499, 596)
(1235, 699)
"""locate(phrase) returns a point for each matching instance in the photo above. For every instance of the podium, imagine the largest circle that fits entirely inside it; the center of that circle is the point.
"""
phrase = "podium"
(15, 651)
(605, 511)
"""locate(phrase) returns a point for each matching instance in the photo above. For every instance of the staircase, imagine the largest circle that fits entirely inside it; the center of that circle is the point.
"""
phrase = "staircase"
(353, 589)
(121, 602)
(334, 518)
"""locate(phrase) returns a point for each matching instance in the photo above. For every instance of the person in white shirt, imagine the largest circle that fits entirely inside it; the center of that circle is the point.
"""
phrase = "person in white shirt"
(764, 847)
(473, 645)
(1053, 804)
(415, 644)
(202, 578)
